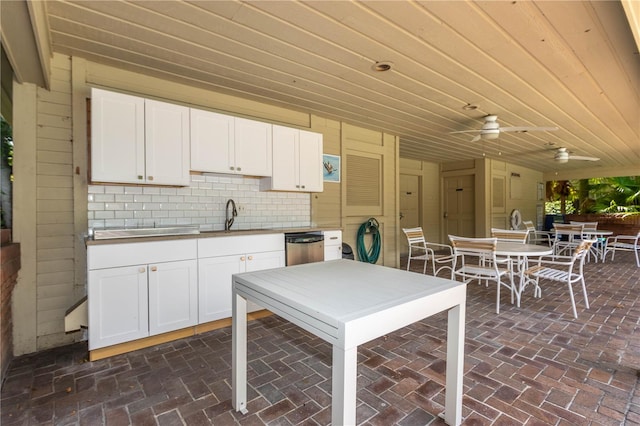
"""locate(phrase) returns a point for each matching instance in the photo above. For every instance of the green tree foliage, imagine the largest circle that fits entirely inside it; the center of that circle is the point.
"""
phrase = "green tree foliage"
(616, 194)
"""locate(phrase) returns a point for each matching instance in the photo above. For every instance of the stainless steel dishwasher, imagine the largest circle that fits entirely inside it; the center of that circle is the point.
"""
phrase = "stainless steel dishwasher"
(304, 248)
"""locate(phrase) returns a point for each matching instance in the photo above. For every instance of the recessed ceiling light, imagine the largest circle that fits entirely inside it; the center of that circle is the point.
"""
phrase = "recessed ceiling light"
(382, 66)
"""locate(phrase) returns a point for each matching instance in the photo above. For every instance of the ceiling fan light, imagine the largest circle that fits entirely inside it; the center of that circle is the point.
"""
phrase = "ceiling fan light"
(490, 135)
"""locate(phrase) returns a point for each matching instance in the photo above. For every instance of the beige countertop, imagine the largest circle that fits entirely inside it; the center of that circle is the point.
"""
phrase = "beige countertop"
(206, 234)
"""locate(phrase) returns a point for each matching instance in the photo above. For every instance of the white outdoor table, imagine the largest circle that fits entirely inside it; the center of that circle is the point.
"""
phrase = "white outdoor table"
(599, 235)
(521, 251)
(347, 303)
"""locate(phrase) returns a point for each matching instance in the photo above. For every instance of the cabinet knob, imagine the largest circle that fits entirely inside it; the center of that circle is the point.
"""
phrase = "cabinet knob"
(242, 258)
(141, 270)
(232, 168)
(149, 177)
(154, 268)
(297, 186)
(239, 168)
(303, 187)
(140, 177)
(250, 257)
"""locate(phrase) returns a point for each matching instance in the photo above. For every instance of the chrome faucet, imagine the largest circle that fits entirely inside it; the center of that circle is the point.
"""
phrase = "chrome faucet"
(229, 220)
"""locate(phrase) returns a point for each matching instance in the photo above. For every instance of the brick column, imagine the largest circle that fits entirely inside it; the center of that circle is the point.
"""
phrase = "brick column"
(9, 267)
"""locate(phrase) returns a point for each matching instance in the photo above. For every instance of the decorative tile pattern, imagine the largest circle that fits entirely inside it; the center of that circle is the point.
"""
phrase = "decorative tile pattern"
(201, 204)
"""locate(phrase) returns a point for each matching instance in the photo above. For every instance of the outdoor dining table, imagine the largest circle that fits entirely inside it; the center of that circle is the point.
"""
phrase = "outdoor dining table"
(523, 253)
(598, 235)
(347, 303)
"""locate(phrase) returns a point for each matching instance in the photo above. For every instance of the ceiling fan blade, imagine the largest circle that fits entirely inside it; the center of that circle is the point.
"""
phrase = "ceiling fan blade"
(528, 129)
(465, 131)
(476, 138)
(583, 158)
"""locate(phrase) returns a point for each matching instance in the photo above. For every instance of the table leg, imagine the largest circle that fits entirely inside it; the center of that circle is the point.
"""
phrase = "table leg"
(343, 386)
(239, 353)
(455, 364)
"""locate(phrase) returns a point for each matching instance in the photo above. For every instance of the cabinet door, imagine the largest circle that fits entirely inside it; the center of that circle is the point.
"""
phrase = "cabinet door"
(212, 138)
(252, 147)
(310, 161)
(117, 137)
(214, 285)
(118, 309)
(285, 173)
(260, 262)
(173, 296)
(265, 260)
(167, 143)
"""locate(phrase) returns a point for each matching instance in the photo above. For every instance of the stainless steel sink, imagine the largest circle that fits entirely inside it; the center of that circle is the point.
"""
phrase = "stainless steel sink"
(104, 234)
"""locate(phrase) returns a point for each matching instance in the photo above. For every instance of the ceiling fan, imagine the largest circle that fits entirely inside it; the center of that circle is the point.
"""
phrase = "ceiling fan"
(491, 129)
(563, 156)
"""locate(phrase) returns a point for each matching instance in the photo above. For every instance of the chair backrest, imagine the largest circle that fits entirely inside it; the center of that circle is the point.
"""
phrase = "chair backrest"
(588, 226)
(529, 226)
(510, 235)
(415, 236)
(473, 246)
(582, 249)
(567, 229)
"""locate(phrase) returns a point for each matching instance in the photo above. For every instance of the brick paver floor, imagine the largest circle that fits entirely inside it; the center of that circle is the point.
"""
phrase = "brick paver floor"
(533, 365)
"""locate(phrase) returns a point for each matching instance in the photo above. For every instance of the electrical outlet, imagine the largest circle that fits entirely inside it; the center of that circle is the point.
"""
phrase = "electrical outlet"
(240, 208)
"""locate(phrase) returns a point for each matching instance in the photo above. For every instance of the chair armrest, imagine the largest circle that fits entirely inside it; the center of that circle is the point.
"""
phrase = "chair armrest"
(617, 238)
(441, 246)
(553, 260)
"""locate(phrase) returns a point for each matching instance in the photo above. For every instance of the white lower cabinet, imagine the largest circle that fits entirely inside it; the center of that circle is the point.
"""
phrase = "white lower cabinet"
(215, 269)
(332, 245)
(173, 296)
(215, 275)
(118, 305)
(137, 290)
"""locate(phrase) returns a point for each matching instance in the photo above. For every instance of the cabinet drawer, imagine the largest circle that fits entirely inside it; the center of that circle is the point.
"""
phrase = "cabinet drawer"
(114, 255)
(240, 244)
(332, 238)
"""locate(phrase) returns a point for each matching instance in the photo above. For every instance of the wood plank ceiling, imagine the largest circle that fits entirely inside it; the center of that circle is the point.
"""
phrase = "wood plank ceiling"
(567, 64)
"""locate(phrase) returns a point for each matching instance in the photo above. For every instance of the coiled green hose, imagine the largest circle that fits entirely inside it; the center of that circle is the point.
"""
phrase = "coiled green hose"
(371, 255)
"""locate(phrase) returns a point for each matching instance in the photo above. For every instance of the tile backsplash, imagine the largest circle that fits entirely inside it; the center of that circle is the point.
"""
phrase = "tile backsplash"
(201, 204)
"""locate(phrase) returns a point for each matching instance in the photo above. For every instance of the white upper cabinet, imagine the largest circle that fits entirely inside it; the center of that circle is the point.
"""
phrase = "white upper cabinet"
(252, 147)
(212, 138)
(117, 137)
(297, 161)
(226, 144)
(137, 140)
(167, 143)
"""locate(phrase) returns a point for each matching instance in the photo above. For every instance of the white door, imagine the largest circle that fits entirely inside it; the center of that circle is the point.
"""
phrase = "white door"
(214, 286)
(173, 296)
(167, 143)
(459, 206)
(118, 305)
(117, 137)
(310, 161)
(409, 208)
(212, 138)
(252, 147)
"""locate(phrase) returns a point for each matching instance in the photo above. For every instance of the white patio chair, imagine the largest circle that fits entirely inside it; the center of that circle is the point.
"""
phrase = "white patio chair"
(475, 259)
(440, 255)
(623, 243)
(587, 228)
(566, 238)
(511, 236)
(535, 236)
(565, 269)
